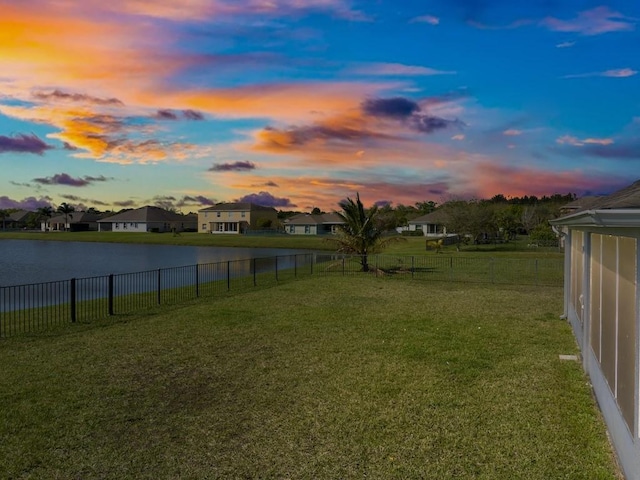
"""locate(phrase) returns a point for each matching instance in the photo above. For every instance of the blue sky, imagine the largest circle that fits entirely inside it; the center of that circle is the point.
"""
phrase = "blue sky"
(297, 104)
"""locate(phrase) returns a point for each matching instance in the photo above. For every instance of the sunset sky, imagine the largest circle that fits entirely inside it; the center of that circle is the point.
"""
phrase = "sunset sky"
(298, 104)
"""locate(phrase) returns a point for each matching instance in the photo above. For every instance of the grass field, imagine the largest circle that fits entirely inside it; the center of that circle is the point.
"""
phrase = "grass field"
(406, 246)
(321, 378)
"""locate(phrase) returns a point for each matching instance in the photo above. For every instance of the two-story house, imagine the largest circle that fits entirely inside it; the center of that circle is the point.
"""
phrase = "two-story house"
(235, 218)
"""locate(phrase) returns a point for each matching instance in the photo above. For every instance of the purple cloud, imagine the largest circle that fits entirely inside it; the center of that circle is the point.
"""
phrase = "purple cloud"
(192, 115)
(165, 115)
(266, 200)
(68, 180)
(429, 124)
(396, 107)
(30, 203)
(76, 97)
(602, 148)
(403, 109)
(79, 201)
(22, 143)
(232, 167)
(125, 203)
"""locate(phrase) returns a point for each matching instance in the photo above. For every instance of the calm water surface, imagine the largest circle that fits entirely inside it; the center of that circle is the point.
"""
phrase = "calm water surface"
(35, 261)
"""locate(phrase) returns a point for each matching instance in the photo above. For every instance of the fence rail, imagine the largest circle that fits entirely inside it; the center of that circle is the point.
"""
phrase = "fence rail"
(41, 306)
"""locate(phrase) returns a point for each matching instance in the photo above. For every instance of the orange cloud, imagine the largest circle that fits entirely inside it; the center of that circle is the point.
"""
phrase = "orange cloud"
(288, 102)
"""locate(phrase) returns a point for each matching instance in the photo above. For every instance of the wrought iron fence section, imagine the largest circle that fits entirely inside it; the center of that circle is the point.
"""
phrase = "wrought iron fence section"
(33, 307)
(37, 307)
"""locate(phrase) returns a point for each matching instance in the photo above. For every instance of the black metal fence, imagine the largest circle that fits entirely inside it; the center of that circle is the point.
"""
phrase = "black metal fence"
(41, 306)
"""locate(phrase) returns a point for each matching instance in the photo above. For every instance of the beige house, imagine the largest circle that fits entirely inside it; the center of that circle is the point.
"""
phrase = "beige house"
(307, 224)
(235, 218)
(601, 297)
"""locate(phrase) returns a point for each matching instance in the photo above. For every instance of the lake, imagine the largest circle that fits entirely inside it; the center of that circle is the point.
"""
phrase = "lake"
(36, 261)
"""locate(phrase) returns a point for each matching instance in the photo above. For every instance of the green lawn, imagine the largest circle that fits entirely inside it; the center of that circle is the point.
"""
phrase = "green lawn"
(321, 378)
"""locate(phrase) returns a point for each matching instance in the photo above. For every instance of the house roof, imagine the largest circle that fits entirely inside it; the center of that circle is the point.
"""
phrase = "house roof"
(309, 219)
(75, 217)
(147, 214)
(237, 206)
(583, 203)
(628, 197)
(434, 218)
(620, 209)
(19, 216)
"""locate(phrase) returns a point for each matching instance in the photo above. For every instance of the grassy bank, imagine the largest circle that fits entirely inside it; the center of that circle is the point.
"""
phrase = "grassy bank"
(317, 378)
(406, 246)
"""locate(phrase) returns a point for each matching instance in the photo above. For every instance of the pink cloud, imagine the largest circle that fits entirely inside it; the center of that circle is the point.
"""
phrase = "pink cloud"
(576, 142)
(430, 19)
(615, 73)
(592, 22)
(512, 132)
(396, 69)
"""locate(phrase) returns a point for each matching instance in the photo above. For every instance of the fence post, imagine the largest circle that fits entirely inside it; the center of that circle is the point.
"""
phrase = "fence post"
(343, 265)
(413, 268)
(313, 259)
(110, 294)
(159, 285)
(72, 299)
(491, 268)
(197, 280)
(295, 266)
(228, 274)
(451, 268)
(254, 272)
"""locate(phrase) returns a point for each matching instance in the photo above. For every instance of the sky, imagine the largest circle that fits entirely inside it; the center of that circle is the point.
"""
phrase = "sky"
(299, 104)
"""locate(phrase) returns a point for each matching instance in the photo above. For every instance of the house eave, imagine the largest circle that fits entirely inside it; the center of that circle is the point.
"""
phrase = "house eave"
(612, 218)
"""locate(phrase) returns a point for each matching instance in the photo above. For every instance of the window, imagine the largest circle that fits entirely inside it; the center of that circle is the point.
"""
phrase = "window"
(292, 229)
(218, 214)
(204, 226)
(124, 225)
(307, 229)
(243, 214)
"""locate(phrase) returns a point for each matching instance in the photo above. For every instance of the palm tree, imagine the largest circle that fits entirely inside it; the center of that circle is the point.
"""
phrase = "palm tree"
(66, 210)
(44, 212)
(359, 234)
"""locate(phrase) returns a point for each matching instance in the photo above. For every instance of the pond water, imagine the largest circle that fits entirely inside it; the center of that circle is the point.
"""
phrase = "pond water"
(35, 261)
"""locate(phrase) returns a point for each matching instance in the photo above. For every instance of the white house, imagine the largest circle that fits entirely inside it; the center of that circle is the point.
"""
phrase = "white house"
(148, 219)
(431, 224)
(601, 303)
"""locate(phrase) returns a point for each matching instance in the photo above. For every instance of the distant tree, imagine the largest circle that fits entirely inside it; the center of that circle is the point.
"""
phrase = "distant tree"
(426, 207)
(386, 218)
(316, 211)
(66, 210)
(359, 235)
(509, 220)
(264, 223)
(4, 214)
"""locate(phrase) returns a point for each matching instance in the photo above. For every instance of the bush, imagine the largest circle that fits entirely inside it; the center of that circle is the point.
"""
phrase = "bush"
(543, 236)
